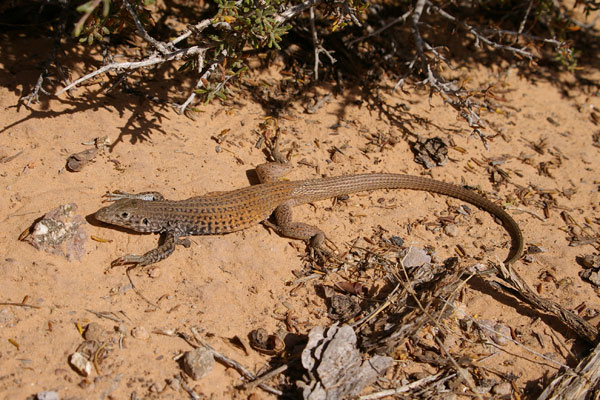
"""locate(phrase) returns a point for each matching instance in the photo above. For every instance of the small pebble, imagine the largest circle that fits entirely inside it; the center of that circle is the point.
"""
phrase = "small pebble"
(174, 384)
(420, 375)
(139, 332)
(482, 389)
(504, 330)
(157, 388)
(451, 230)
(81, 364)
(502, 389)
(154, 272)
(504, 339)
(198, 363)
(94, 331)
(397, 241)
(591, 275)
(591, 261)
(6, 317)
(536, 249)
(49, 395)
(528, 259)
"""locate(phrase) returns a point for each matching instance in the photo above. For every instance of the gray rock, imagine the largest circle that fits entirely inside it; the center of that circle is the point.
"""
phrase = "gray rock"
(416, 258)
(335, 365)
(198, 363)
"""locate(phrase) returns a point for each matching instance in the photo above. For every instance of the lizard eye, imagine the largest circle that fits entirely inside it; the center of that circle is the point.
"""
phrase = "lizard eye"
(145, 221)
(124, 214)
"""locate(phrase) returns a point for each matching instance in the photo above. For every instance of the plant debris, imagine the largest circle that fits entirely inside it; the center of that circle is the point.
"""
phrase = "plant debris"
(76, 162)
(591, 265)
(430, 153)
(261, 341)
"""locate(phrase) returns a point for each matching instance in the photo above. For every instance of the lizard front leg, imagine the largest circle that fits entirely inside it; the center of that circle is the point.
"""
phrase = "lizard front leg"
(155, 255)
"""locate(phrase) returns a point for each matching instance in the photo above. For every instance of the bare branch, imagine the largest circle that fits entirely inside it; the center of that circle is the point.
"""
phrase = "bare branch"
(316, 43)
(199, 27)
(59, 32)
(524, 20)
(527, 36)
(403, 388)
(164, 48)
(376, 32)
(295, 10)
(151, 60)
(34, 95)
(317, 47)
(229, 362)
(200, 84)
(479, 37)
(578, 383)
(417, 35)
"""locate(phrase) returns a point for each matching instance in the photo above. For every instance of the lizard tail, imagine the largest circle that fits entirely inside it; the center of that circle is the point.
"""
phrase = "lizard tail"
(321, 189)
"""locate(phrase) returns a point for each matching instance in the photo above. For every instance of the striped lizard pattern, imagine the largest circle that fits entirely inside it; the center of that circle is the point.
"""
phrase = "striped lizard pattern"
(224, 212)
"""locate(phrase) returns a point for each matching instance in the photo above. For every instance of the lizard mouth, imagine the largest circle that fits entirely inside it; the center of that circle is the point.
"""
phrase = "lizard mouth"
(102, 214)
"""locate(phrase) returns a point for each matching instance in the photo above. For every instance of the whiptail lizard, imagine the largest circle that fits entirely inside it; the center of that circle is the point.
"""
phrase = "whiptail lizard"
(224, 212)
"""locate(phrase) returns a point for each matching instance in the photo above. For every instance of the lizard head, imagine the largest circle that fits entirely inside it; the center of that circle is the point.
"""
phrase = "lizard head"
(125, 213)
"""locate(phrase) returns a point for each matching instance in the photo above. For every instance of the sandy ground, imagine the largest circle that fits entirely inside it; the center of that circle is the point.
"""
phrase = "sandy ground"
(228, 285)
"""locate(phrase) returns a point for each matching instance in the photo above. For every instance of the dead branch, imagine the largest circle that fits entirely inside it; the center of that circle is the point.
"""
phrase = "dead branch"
(226, 360)
(317, 46)
(295, 10)
(150, 61)
(583, 328)
(181, 109)
(479, 37)
(581, 383)
(164, 48)
(58, 34)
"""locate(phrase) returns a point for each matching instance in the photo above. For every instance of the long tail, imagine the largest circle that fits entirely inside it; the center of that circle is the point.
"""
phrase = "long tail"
(321, 189)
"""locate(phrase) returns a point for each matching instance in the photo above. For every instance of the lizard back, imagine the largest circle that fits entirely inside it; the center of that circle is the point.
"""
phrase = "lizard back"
(213, 213)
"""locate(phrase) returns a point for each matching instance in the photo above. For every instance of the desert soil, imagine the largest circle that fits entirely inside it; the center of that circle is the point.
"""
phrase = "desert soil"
(226, 286)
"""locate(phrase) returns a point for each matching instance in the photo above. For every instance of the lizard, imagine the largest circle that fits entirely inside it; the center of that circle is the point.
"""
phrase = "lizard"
(230, 211)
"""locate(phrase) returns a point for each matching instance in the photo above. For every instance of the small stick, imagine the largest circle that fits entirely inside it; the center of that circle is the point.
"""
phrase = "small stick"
(401, 389)
(135, 289)
(19, 305)
(228, 361)
(261, 379)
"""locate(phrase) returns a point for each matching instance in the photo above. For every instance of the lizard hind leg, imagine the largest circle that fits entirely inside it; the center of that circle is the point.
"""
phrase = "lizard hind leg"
(297, 230)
